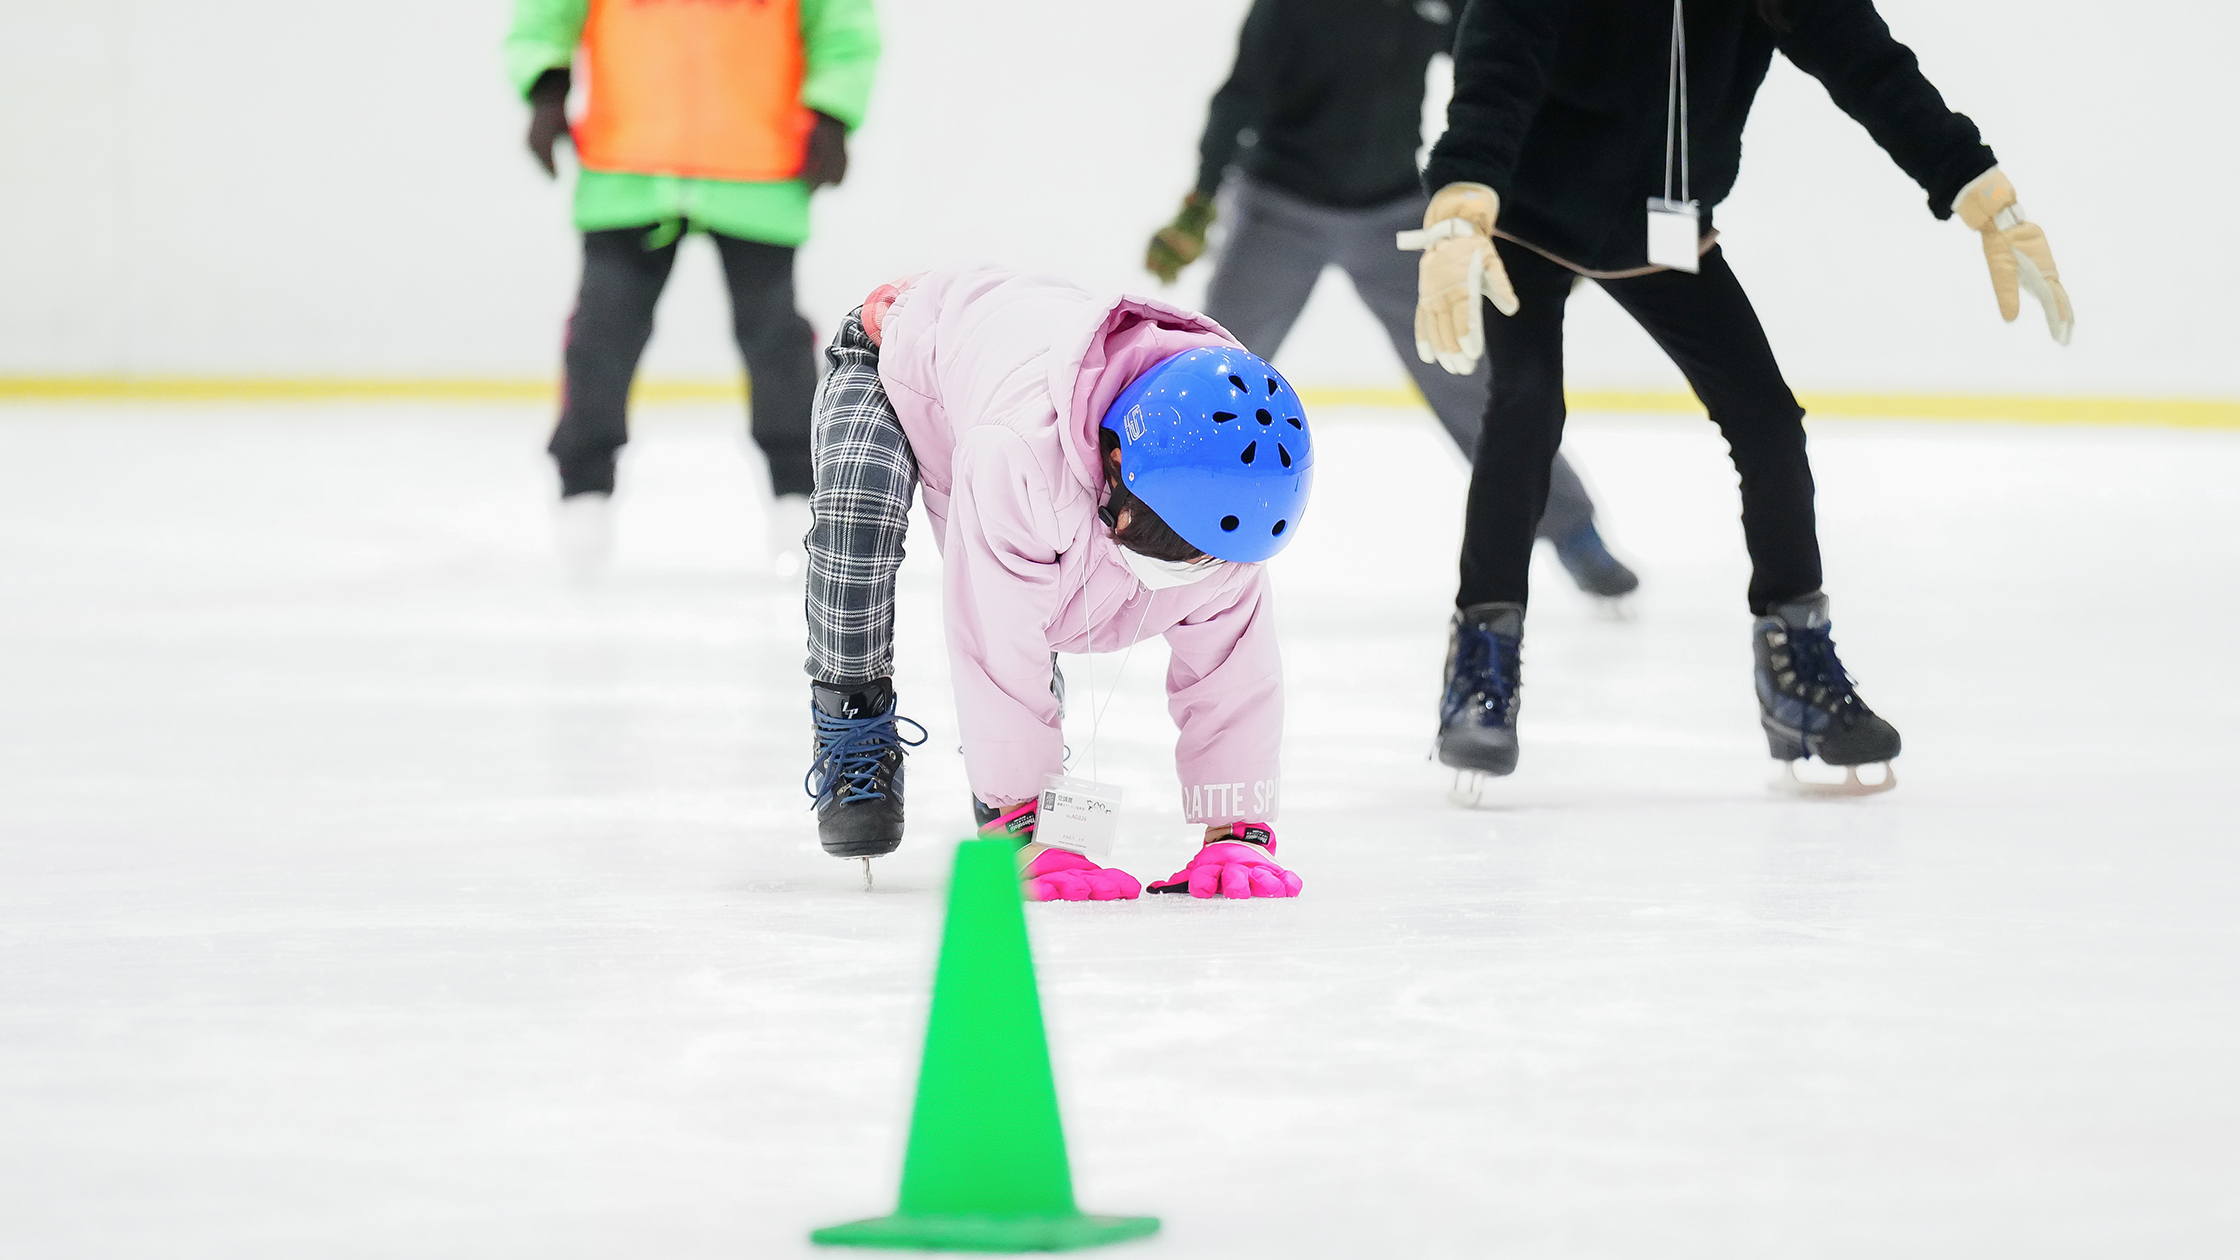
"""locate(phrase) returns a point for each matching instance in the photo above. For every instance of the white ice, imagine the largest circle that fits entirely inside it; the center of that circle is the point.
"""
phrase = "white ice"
(366, 891)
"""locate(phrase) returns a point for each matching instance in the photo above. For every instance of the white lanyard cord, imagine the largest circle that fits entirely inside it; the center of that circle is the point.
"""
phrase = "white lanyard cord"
(1089, 664)
(1676, 103)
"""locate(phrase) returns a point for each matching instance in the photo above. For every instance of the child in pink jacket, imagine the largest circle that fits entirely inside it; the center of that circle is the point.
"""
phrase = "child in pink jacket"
(1096, 470)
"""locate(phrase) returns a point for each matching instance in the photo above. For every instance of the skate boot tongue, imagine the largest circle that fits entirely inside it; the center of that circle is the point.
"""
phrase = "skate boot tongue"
(1505, 619)
(854, 700)
(1806, 612)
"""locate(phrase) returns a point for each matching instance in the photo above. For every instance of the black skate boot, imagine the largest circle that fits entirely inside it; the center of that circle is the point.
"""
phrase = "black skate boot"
(1808, 706)
(1478, 712)
(857, 774)
(1589, 562)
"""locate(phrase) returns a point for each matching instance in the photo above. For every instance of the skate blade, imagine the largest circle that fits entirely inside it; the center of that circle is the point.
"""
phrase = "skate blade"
(1614, 607)
(1469, 790)
(867, 874)
(1792, 783)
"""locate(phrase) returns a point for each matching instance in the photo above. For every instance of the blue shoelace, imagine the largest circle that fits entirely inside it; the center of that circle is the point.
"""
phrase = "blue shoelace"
(851, 750)
(1812, 657)
(1485, 664)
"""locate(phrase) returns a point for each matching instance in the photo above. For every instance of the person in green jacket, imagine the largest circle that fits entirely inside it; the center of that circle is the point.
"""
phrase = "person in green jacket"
(715, 116)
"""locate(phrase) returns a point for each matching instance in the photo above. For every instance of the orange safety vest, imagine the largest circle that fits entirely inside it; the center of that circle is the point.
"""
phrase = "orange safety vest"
(709, 89)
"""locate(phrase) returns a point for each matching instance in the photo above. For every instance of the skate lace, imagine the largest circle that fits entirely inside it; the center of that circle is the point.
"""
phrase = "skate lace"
(852, 750)
(1485, 665)
(1812, 655)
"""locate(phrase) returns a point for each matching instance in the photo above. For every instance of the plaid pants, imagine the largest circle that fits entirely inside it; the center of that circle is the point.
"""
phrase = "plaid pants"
(859, 514)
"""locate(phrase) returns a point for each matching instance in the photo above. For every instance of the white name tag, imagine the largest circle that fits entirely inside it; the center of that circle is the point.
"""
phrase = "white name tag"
(1078, 815)
(1675, 234)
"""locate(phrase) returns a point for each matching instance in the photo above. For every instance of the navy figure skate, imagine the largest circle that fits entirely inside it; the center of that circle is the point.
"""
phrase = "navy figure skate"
(1478, 710)
(1808, 706)
(1594, 570)
(856, 776)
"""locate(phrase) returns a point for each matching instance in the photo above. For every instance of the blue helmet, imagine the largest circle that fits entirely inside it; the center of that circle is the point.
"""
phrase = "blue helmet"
(1214, 440)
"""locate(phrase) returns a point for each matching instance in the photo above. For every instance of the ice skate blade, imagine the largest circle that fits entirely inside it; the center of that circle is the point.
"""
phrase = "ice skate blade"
(1613, 607)
(1790, 783)
(1469, 790)
(787, 567)
(867, 874)
(583, 535)
(785, 538)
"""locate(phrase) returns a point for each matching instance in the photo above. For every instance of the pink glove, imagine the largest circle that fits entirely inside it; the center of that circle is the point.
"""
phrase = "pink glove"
(1047, 874)
(1060, 875)
(1243, 866)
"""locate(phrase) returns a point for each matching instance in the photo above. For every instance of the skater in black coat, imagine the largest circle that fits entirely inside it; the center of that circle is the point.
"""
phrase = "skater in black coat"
(1594, 138)
(1315, 133)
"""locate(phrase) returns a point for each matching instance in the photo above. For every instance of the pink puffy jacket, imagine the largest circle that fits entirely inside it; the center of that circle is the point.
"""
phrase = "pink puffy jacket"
(1001, 380)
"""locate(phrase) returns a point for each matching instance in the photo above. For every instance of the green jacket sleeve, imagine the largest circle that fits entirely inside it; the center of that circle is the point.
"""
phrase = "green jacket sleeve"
(840, 39)
(543, 37)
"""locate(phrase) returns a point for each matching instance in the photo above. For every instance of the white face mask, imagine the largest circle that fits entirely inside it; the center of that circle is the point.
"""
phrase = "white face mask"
(1159, 575)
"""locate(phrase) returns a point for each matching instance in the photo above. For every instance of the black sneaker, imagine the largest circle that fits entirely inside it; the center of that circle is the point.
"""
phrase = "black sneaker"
(856, 777)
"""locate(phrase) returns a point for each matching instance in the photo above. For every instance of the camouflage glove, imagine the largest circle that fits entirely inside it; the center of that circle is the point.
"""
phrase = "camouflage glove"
(1179, 244)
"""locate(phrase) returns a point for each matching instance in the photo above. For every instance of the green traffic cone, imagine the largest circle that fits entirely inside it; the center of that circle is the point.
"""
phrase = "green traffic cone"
(986, 1169)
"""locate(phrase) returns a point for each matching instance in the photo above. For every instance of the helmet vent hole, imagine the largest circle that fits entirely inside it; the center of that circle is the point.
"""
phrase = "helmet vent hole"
(1279, 527)
(1283, 455)
(1238, 381)
(1265, 418)
(1250, 450)
(1271, 387)
(1293, 421)
(1224, 417)
(1229, 524)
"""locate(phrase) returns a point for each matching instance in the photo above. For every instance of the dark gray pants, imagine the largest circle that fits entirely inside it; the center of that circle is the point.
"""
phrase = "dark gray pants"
(1276, 249)
(622, 280)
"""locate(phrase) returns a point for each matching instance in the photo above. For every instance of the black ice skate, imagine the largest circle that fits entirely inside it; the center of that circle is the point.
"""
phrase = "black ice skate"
(1808, 706)
(1591, 566)
(1478, 711)
(857, 774)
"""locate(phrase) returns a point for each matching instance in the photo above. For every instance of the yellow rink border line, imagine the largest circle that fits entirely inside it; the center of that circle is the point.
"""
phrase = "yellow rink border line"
(2188, 413)
(2184, 413)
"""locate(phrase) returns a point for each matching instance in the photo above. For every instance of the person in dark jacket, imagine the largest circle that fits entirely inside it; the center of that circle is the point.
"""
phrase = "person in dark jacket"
(1570, 121)
(1320, 120)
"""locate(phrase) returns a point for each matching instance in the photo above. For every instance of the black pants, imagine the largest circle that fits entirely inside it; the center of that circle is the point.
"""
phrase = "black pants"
(1277, 248)
(1705, 323)
(622, 280)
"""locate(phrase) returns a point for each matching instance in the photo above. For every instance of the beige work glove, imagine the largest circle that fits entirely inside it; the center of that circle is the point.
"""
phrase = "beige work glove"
(1459, 266)
(2016, 249)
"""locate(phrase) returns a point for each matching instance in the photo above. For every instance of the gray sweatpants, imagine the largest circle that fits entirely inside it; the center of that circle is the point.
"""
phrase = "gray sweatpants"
(1276, 249)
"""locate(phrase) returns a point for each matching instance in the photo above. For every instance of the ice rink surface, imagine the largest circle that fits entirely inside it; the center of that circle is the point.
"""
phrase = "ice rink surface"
(366, 891)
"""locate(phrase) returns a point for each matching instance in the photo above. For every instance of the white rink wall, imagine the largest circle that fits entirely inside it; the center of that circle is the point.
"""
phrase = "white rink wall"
(252, 187)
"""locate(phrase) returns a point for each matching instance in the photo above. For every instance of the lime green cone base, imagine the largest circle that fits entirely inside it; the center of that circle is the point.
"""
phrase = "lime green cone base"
(986, 1167)
(988, 1233)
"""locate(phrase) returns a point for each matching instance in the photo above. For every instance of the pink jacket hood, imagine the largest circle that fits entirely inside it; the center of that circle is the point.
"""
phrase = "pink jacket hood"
(1001, 380)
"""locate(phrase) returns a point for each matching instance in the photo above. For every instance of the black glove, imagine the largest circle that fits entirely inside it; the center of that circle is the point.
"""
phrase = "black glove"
(548, 115)
(826, 161)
